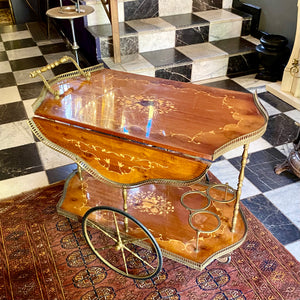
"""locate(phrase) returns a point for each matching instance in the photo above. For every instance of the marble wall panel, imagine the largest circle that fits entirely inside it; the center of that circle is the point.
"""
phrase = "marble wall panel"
(206, 69)
(246, 27)
(224, 30)
(227, 3)
(156, 40)
(140, 9)
(242, 64)
(180, 73)
(194, 35)
(128, 45)
(201, 5)
(99, 16)
(174, 7)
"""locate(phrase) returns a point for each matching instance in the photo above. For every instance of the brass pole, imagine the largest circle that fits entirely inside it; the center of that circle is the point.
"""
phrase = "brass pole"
(124, 195)
(239, 186)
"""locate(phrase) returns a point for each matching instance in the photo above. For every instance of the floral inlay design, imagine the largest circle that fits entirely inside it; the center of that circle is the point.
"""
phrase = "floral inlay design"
(150, 203)
(142, 104)
(113, 161)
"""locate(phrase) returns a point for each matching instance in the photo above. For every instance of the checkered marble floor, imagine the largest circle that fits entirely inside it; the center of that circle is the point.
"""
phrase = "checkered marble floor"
(26, 163)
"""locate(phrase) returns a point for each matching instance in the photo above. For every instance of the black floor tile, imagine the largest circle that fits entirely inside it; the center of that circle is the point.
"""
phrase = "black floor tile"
(63, 68)
(275, 102)
(54, 48)
(185, 20)
(260, 170)
(30, 90)
(28, 63)
(235, 46)
(12, 112)
(19, 161)
(17, 44)
(227, 84)
(3, 56)
(7, 79)
(271, 217)
(60, 173)
(280, 130)
(166, 57)
(106, 31)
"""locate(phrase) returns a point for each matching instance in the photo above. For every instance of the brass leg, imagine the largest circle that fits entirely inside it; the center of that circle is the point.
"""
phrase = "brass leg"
(239, 187)
(79, 171)
(124, 195)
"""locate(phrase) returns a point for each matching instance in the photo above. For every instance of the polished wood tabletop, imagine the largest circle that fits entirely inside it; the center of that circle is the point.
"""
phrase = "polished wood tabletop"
(194, 120)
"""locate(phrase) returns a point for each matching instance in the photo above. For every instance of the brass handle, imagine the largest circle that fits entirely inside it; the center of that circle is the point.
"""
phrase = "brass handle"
(64, 59)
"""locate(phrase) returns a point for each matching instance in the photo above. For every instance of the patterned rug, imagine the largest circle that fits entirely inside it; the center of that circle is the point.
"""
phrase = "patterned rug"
(44, 256)
(5, 16)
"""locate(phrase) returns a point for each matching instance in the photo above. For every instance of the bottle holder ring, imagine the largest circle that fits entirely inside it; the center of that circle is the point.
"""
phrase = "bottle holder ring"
(224, 190)
(191, 210)
(204, 212)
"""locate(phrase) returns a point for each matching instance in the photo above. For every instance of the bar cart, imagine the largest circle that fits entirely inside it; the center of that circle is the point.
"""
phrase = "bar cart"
(143, 147)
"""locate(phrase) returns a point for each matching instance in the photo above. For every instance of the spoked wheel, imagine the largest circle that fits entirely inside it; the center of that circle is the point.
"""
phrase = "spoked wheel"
(122, 242)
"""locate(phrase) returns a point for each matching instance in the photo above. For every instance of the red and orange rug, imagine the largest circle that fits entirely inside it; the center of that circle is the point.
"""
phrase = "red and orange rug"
(45, 256)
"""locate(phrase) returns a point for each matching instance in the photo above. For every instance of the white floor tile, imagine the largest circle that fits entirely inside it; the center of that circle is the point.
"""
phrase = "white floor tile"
(5, 67)
(285, 148)
(294, 248)
(51, 158)
(218, 15)
(136, 62)
(15, 134)
(17, 35)
(23, 53)
(211, 80)
(9, 94)
(14, 186)
(202, 51)
(50, 58)
(271, 110)
(252, 39)
(2, 46)
(227, 173)
(251, 83)
(23, 76)
(294, 114)
(255, 146)
(28, 107)
(287, 200)
(151, 24)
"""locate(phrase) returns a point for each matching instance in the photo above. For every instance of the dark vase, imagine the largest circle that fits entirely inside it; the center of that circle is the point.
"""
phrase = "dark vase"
(273, 55)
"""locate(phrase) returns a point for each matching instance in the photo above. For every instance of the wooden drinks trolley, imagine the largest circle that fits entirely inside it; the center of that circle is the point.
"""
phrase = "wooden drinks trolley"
(143, 147)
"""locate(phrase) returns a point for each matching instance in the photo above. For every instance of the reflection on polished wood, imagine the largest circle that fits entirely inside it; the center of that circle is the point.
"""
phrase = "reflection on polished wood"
(119, 160)
(189, 119)
(160, 210)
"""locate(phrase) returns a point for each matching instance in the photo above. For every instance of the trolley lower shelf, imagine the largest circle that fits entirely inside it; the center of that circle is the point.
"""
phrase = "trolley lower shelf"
(191, 225)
